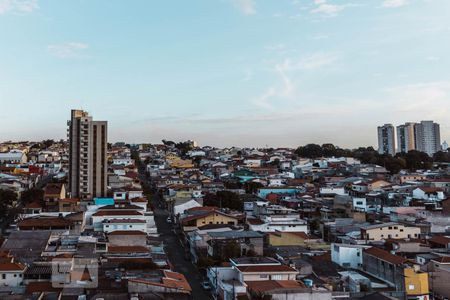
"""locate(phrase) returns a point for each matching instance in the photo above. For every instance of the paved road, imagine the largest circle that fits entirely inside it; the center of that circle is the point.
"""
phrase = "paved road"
(173, 247)
(176, 256)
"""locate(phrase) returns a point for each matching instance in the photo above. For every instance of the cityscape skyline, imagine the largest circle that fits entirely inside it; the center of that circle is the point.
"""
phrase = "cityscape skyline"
(307, 75)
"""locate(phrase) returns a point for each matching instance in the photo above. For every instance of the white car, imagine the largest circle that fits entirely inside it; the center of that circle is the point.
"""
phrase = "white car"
(169, 220)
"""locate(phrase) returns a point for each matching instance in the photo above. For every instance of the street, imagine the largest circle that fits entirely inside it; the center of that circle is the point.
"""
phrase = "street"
(175, 253)
(173, 247)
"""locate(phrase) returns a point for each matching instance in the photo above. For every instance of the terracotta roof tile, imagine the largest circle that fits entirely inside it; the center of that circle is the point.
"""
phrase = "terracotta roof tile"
(385, 255)
(266, 268)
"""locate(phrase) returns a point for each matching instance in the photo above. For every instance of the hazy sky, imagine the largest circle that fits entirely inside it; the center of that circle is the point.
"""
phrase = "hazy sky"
(224, 72)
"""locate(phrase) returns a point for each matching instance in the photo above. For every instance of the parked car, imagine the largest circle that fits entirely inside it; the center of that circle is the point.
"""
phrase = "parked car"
(169, 220)
(206, 286)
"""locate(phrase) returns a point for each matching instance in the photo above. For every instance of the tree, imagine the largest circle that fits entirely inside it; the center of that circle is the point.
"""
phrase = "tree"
(442, 156)
(7, 198)
(328, 150)
(32, 195)
(47, 143)
(252, 187)
(224, 199)
(231, 250)
(309, 151)
(205, 262)
(168, 143)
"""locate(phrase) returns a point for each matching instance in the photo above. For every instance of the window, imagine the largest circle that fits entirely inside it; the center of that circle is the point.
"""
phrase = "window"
(390, 227)
(15, 275)
(3, 276)
(264, 276)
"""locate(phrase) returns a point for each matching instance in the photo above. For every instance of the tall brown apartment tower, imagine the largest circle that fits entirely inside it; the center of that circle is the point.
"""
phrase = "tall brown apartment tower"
(87, 156)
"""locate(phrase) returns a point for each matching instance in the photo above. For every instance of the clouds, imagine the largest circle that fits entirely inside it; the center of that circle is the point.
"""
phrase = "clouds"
(247, 7)
(285, 90)
(309, 62)
(68, 50)
(426, 100)
(327, 9)
(18, 6)
(394, 3)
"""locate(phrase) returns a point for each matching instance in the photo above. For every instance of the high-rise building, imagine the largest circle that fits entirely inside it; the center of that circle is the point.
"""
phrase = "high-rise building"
(87, 156)
(386, 139)
(428, 137)
(406, 139)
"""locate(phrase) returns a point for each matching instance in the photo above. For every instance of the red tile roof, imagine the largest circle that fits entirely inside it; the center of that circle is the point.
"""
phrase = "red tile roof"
(170, 280)
(442, 259)
(127, 249)
(45, 222)
(442, 240)
(11, 266)
(53, 189)
(266, 268)
(268, 285)
(385, 255)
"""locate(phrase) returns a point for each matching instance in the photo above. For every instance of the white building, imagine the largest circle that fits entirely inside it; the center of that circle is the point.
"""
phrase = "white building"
(287, 223)
(347, 255)
(11, 273)
(428, 137)
(429, 194)
(13, 157)
(406, 140)
(386, 139)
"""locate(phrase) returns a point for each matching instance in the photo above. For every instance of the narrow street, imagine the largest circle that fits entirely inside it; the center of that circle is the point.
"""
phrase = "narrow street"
(176, 256)
(173, 247)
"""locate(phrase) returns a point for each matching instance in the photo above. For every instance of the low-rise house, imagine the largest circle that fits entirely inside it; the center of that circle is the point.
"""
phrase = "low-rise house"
(439, 272)
(383, 231)
(46, 223)
(127, 238)
(11, 272)
(348, 256)
(232, 282)
(396, 271)
(167, 282)
(429, 194)
(13, 157)
(196, 218)
(54, 192)
(291, 223)
(246, 242)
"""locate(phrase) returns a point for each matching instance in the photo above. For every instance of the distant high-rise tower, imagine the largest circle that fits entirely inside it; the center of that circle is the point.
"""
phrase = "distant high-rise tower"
(386, 139)
(87, 156)
(406, 140)
(445, 146)
(428, 137)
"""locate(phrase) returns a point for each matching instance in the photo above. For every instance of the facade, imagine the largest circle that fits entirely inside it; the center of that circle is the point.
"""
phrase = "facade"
(406, 139)
(385, 231)
(386, 139)
(87, 156)
(428, 137)
(347, 255)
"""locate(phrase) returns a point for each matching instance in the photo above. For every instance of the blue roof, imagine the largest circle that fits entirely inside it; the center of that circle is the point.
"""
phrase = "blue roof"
(104, 201)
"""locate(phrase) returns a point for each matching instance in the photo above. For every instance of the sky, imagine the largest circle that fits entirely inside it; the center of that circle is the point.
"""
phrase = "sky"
(224, 72)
